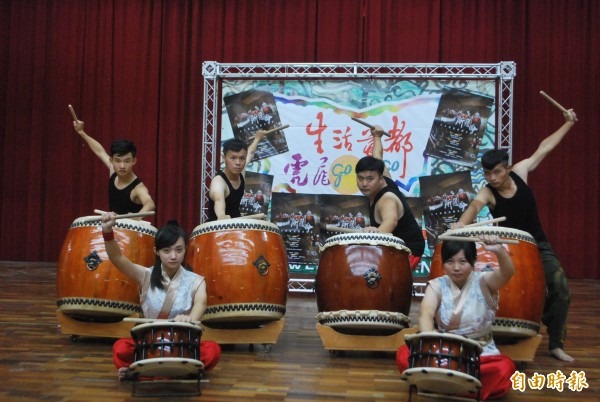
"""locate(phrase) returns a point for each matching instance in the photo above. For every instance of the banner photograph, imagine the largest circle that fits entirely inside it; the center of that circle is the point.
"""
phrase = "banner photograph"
(433, 127)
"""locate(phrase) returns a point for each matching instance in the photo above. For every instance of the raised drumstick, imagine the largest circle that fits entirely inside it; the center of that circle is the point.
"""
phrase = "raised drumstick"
(364, 123)
(500, 219)
(255, 216)
(276, 129)
(73, 113)
(474, 239)
(555, 103)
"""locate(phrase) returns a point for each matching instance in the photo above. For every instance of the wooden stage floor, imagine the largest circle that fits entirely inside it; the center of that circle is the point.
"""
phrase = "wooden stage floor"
(40, 363)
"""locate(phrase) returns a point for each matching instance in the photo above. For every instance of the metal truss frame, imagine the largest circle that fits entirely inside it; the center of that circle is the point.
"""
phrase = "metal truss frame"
(503, 73)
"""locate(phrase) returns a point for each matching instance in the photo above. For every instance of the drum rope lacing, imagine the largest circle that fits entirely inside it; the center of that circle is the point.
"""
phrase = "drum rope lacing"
(239, 226)
(120, 225)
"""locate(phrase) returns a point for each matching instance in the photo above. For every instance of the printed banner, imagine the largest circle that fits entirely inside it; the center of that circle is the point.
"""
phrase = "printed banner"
(434, 129)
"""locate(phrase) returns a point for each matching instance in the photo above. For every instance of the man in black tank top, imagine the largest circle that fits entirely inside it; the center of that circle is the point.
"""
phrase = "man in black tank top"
(227, 186)
(126, 192)
(388, 209)
(508, 195)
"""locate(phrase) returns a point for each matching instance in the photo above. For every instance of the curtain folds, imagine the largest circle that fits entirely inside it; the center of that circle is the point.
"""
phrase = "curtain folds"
(133, 69)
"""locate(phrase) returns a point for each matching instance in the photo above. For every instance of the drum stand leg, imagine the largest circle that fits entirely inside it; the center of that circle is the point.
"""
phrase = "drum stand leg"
(410, 391)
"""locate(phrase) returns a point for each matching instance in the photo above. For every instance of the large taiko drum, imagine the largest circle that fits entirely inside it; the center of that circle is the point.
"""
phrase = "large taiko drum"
(364, 284)
(443, 363)
(246, 269)
(166, 348)
(89, 287)
(521, 300)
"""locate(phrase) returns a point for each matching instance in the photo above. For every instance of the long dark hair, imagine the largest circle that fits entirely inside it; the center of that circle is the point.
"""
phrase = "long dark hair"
(165, 237)
(451, 248)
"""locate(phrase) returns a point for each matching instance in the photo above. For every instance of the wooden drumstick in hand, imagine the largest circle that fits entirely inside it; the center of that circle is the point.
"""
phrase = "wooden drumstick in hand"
(558, 105)
(333, 228)
(276, 129)
(130, 215)
(473, 239)
(73, 113)
(372, 127)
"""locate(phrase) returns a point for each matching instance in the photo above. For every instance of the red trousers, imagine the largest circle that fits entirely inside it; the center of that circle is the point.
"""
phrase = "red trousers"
(210, 353)
(494, 372)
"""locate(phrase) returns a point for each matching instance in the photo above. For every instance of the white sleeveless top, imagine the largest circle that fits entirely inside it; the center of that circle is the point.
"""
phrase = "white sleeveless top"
(469, 311)
(152, 299)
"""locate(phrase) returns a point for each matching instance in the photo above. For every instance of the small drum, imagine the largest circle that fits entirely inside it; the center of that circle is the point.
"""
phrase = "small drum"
(88, 285)
(443, 363)
(245, 265)
(364, 284)
(166, 348)
(521, 300)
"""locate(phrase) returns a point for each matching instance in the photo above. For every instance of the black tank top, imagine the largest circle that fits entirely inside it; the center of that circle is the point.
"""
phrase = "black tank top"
(232, 202)
(119, 201)
(520, 210)
(407, 228)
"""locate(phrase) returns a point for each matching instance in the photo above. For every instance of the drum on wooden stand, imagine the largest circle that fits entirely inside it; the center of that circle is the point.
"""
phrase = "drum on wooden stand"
(166, 348)
(521, 301)
(364, 284)
(88, 285)
(443, 363)
(245, 265)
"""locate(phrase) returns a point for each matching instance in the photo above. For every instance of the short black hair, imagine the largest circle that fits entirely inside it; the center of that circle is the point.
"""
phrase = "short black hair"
(491, 158)
(122, 147)
(370, 163)
(450, 248)
(234, 145)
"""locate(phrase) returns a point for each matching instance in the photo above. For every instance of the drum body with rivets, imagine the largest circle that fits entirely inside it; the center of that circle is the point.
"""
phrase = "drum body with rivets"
(521, 301)
(364, 283)
(166, 348)
(245, 265)
(443, 363)
(88, 285)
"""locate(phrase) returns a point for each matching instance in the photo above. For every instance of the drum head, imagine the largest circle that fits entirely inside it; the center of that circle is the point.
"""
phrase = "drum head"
(165, 325)
(441, 381)
(373, 239)
(500, 231)
(166, 367)
(234, 224)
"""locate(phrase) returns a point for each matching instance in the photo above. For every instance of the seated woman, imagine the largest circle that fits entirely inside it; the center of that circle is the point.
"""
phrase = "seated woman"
(464, 302)
(167, 290)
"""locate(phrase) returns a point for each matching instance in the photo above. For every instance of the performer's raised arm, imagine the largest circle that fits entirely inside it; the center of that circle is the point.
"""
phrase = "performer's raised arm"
(258, 137)
(377, 132)
(94, 145)
(527, 165)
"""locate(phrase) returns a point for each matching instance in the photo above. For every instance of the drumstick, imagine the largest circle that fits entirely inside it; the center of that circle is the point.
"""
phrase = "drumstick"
(131, 215)
(73, 113)
(364, 123)
(274, 130)
(255, 216)
(500, 219)
(555, 103)
(149, 320)
(333, 228)
(474, 239)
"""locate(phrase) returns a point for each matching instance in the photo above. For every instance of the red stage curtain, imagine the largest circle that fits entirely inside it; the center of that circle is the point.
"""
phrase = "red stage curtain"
(134, 69)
